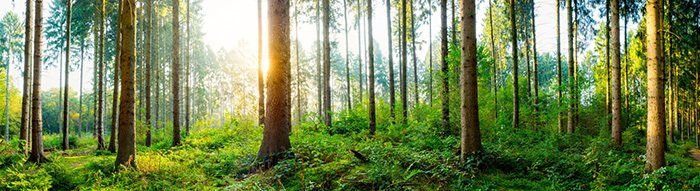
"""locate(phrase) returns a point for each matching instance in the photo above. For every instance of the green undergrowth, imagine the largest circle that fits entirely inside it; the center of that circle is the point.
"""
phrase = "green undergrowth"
(398, 157)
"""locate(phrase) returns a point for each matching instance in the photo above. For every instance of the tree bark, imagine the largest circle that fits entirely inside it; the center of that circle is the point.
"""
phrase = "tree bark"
(445, 67)
(277, 120)
(655, 90)
(359, 49)
(80, 92)
(37, 153)
(326, 64)
(560, 120)
(470, 133)
(403, 79)
(149, 38)
(607, 61)
(514, 40)
(413, 52)
(188, 68)
(261, 79)
(430, 54)
(616, 90)
(115, 90)
(176, 73)
(101, 76)
(318, 61)
(347, 57)
(536, 81)
(495, 62)
(25, 121)
(572, 82)
(370, 49)
(126, 155)
(66, 72)
(392, 94)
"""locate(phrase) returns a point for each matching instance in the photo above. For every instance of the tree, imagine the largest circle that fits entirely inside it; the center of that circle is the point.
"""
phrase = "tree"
(100, 75)
(536, 81)
(261, 81)
(149, 38)
(67, 70)
(370, 48)
(413, 52)
(392, 94)
(37, 153)
(655, 89)
(187, 73)
(26, 78)
(326, 64)
(560, 120)
(10, 44)
(126, 155)
(495, 61)
(347, 56)
(470, 134)
(277, 120)
(319, 84)
(572, 82)
(514, 40)
(402, 78)
(359, 49)
(115, 92)
(176, 73)
(616, 91)
(445, 67)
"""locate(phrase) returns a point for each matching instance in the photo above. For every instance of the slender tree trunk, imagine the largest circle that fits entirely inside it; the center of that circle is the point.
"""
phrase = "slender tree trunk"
(404, 97)
(495, 61)
(572, 82)
(326, 64)
(628, 110)
(149, 38)
(514, 40)
(413, 52)
(528, 70)
(67, 70)
(156, 63)
(536, 84)
(95, 68)
(7, 98)
(261, 80)
(470, 133)
(26, 87)
(607, 60)
(655, 103)
(188, 68)
(176, 73)
(115, 90)
(370, 49)
(347, 57)
(445, 68)
(318, 61)
(616, 90)
(126, 155)
(560, 120)
(37, 152)
(392, 94)
(359, 48)
(101, 77)
(277, 124)
(453, 22)
(299, 75)
(80, 94)
(430, 55)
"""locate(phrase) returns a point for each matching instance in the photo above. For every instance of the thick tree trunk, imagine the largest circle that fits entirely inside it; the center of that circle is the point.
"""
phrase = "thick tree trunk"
(66, 72)
(470, 134)
(392, 94)
(514, 40)
(101, 76)
(444, 68)
(149, 38)
(655, 103)
(26, 81)
(403, 79)
(413, 52)
(326, 64)
(370, 49)
(277, 120)
(616, 90)
(261, 79)
(115, 90)
(572, 82)
(176, 73)
(37, 153)
(560, 120)
(347, 57)
(126, 155)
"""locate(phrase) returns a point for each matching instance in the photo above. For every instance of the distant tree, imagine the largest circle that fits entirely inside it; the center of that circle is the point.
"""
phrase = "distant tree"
(67, 70)
(514, 40)
(470, 133)
(277, 120)
(347, 57)
(37, 153)
(413, 52)
(11, 45)
(176, 72)
(655, 89)
(370, 62)
(126, 155)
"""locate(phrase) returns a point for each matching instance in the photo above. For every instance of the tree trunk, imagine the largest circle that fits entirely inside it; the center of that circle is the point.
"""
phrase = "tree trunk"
(300, 111)
(261, 80)
(275, 141)
(572, 82)
(616, 90)
(25, 121)
(37, 153)
(392, 94)
(607, 61)
(528, 92)
(347, 57)
(403, 79)
(470, 134)
(7, 98)
(157, 80)
(536, 81)
(188, 68)
(319, 84)
(514, 40)
(100, 77)
(80, 92)
(115, 92)
(126, 155)
(326, 64)
(149, 38)
(560, 120)
(445, 68)
(413, 52)
(453, 22)
(655, 103)
(370, 49)
(430, 55)
(67, 70)
(359, 48)
(176, 73)
(495, 62)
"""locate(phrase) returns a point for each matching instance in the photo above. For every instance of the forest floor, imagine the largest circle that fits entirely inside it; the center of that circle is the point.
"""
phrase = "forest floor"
(412, 157)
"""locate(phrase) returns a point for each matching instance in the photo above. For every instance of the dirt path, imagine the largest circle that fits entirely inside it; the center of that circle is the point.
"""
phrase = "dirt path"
(695, 153)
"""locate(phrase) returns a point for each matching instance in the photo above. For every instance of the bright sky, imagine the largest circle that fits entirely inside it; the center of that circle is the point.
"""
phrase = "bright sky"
(229, 23)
